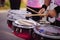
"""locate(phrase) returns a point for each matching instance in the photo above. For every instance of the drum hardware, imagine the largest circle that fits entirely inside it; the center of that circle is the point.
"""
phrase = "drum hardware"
(20, 30)
(17, 29)
(14, 28)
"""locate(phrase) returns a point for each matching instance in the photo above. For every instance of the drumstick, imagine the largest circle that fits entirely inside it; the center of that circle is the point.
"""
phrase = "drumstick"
(35, 12)
(28, 15)
(25, 22)
(32, 10)
(39, 14)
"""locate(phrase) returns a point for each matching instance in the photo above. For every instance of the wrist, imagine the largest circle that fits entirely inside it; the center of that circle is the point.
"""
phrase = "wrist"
(44, 6)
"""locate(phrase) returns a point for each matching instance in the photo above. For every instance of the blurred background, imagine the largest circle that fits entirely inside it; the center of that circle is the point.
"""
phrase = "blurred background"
(4, 8)
(5, 5)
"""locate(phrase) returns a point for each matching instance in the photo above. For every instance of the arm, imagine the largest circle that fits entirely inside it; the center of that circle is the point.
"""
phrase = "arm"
(54, 12)
(44, 6)
(47, 2)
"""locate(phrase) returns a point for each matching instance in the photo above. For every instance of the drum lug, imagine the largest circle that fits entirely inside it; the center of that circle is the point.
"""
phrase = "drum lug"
(20, 30)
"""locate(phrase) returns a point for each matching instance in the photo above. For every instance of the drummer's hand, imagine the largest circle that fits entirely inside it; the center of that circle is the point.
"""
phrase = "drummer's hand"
(41, 10)
(51, 13)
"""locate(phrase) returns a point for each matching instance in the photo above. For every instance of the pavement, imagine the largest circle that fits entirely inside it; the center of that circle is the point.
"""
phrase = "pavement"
(5, 31)
(3, 11)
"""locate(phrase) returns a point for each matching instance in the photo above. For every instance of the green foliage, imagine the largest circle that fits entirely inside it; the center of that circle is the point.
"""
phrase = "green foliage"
(7, 5)
(23, 5)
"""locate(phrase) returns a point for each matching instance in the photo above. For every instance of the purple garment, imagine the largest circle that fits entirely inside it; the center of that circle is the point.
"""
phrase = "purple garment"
(34, 3)
(57, 2)
(58, 19)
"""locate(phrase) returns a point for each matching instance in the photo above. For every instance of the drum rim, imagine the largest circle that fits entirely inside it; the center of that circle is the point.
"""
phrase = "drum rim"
(11, 19)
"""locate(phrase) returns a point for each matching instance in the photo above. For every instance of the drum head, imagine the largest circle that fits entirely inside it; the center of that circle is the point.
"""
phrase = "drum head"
(14, 15)
(25, 23)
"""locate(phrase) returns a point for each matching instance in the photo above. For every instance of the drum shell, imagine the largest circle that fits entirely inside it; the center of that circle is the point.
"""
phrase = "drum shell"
(22, 30)
(9, 22)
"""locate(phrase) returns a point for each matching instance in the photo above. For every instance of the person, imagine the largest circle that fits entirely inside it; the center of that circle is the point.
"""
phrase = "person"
(35, 5)
(2, 3)
(55, 13)
(15, 4)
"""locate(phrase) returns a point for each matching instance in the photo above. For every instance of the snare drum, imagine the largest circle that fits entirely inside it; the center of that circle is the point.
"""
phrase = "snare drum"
(15, 15)
(24, 30)
(19, 27)
(47, 32)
